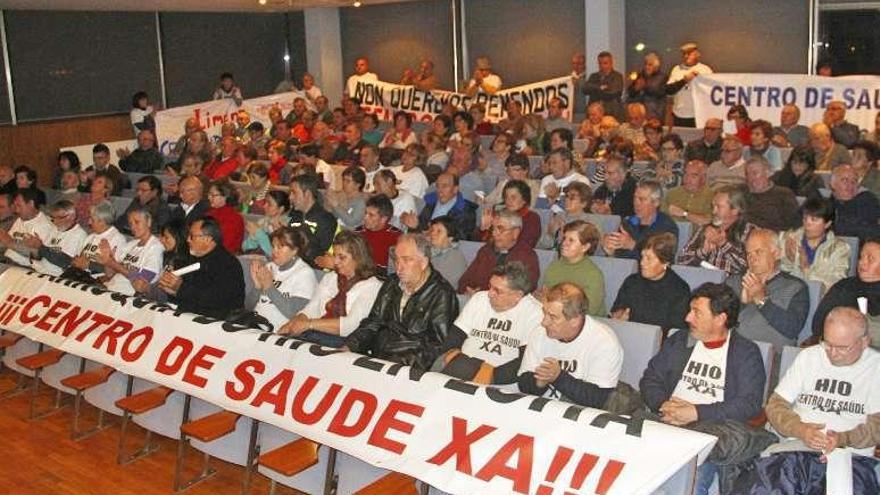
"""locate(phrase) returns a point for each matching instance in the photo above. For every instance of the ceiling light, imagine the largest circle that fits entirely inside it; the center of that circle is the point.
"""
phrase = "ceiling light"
(639, 47)
(261, 2)
(357, 3)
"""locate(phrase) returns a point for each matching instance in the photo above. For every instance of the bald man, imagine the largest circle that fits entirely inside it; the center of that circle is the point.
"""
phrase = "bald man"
(774, 303)
(828, 399)
(790, 134)
(829, 154)
(842, 131)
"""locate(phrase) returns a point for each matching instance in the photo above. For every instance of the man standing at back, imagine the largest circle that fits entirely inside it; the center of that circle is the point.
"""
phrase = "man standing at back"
(679, 84)
(361, 72)
(606, 86)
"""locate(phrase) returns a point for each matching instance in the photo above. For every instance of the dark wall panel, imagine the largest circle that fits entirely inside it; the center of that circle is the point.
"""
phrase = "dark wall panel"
(397, 36)
(198, 47)
(527, 40)
(742, 36)
(80, 63)
(297, 41)
(5, 115)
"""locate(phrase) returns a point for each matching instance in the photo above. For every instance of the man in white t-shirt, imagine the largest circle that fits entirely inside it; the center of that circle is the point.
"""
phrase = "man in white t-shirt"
(709, 374)
(486, 344)
(828, 399)
(31, 222)
(483, 80)
(361, 72)
(572, 357)
(561, 175)
(65, 240)
(679, 85)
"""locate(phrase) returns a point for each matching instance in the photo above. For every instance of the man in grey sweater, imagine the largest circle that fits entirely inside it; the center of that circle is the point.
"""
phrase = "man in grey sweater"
(774, 303)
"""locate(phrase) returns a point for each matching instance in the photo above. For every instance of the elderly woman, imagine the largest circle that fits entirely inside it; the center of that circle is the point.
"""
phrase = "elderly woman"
(608, 129)
(343, 297)
(286, 283)
(221, 198)
(649, 149)
(799, 174)
(277, 207)
(655, 295)
(813, 252)
(669, 169)
(579, 241)
(349, 204)
(578, 197)
(140, 259)
(497, 158)
(254, 200)
(517, 197)
(101, 217)
(446, 258)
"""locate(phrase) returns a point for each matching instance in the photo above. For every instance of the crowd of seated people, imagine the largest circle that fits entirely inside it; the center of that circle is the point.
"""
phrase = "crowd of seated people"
(355, 238)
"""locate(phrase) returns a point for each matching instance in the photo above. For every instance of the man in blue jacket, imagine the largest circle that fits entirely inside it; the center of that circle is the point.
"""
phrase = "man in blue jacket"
(446, 201)
(709, 374)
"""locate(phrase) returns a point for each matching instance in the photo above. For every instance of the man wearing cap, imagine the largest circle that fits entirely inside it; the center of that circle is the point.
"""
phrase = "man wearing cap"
(679, 85)
(606, 87)
(483, 80)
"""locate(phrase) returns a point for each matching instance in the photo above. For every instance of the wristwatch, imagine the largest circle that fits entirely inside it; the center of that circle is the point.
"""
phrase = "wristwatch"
(760, 304)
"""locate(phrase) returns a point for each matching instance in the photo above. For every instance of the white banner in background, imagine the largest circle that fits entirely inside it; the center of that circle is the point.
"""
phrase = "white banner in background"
(211, 116)
(764, 95)
(459, 437)
(385, 99)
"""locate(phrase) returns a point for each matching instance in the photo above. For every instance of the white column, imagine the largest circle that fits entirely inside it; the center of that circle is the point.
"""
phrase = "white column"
(324, 50)
(606, 31)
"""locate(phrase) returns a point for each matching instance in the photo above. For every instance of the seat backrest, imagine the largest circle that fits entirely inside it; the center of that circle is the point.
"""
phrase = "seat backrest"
(120, 203)
(815, 289)
(688, 134)
(640, 343)
(545, 215)
(787, 357)
(545, 257)
(615, 271)
(684, 234)
(535, 162)
(853, 252)
(469, 249)
(696, 276)
(767, 358)
(606, 223)
(590, 166)
(251, 294)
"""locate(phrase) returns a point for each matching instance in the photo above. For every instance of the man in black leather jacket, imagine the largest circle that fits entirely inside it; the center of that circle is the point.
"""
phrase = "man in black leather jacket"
(413, 312)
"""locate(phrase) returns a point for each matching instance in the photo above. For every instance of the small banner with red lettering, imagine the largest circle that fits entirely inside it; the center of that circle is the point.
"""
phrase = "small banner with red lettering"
(211, 115)
(385, 99)
(459, 437)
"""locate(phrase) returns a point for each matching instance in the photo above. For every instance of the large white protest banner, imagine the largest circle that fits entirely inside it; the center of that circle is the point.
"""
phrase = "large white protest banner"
(459, 437)
(764, 95)
(385, 99)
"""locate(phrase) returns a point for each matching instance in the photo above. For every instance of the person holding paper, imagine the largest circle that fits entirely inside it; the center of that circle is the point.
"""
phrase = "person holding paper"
(31, 222)
(827, 401)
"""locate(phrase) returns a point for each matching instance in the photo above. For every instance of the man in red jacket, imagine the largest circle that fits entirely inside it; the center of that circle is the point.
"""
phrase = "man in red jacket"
(503, 247)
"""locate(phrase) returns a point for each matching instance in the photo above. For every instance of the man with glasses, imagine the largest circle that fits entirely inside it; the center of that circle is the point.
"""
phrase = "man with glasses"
(66, 240)
(707, 148)
(847, 292)
(148, 196)
(487, 342)
(216, 289)
(504, 247)
(730, 169)
(554, 119)
(829, 154)
(829, 399)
